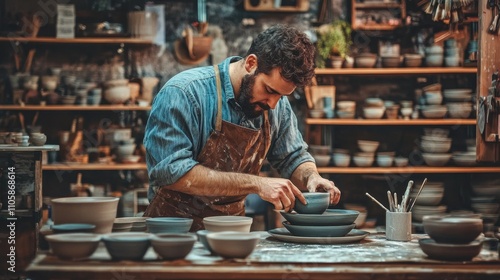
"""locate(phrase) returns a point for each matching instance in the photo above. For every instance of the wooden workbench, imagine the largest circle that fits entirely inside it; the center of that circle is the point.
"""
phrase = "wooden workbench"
(372, 258)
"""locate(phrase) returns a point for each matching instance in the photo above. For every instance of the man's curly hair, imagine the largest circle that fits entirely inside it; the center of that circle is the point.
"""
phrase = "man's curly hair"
(287, 48)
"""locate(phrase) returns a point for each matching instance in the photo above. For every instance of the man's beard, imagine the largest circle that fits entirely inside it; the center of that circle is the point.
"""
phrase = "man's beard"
(248, 108)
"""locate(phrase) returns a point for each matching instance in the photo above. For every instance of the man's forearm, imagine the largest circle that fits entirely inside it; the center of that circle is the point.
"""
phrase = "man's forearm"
(203, 181)
(301, 174)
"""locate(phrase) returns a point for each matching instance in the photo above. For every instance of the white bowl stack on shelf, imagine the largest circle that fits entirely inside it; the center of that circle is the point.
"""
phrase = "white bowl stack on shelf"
(341, 158)
(321, 154)
(435, 147)
(459, 102)
(486, 199)
(346, 109)
(467, 158)
(366, 157)
(429, 200)
(373, 108)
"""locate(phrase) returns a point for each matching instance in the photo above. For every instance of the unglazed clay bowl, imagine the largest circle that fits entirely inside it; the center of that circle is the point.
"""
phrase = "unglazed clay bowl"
(233, 244)
(317, 202)
(453, 230)
(172, 246)
(169, 224)
(99, 211)
(127, 245)
(73, 246)
(228, 223)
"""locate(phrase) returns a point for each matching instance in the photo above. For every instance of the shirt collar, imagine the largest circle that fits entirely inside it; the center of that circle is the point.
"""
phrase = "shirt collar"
(226, 80)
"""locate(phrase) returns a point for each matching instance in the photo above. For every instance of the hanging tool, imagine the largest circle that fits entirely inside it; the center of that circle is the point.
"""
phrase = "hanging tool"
(494, 5)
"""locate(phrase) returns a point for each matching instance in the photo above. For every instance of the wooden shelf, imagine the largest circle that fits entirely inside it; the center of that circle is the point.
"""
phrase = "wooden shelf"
(94, 166)
(75, 108)
(313, 121)
(378, 5)
(408, 170)
(397, 71)
(51, 40)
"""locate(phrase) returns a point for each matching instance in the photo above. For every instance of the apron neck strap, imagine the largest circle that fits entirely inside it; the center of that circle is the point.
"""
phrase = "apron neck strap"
(218, 120)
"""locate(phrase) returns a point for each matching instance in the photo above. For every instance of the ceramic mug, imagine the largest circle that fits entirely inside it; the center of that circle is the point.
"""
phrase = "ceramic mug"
(398, 226)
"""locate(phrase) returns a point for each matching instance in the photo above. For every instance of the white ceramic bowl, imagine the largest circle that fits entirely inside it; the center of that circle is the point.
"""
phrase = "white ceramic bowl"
(73, 245)
(228, 223)
(368, 146)
(401, 161)
(434, 111)
(435, 159)
(117, 94)
(341, 160)
(320, 149)
(79, 210)
(384, 160)
(363, 161)
(322, 160)
(346, 106)
(373, 112)
(233, 244)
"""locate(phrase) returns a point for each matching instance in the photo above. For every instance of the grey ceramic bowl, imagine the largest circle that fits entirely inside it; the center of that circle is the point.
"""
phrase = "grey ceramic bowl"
(127, 245)
(452, 230)
(202, 236)
(317, 202)
(73, 246)
(169, 225)
(319, 231)
(172, 246)
(450, 252)
(331, 217)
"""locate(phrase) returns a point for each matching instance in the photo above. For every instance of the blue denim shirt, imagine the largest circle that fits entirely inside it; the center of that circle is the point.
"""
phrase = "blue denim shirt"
(183, 116)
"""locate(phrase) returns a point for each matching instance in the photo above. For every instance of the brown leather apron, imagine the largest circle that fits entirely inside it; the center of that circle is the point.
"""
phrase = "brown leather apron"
(230, 148)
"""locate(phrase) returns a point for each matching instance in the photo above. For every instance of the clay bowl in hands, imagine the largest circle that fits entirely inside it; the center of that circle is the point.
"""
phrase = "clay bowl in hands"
(233, 244)
(454, 230)
(127, 245)
(228, 223)
(169, 224)
(81, 209)
(73, 245)
(317, 202)
(171, 246)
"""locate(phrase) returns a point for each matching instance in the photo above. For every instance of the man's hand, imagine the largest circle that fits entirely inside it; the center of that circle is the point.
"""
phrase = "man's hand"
(318, 183)
(280, 192)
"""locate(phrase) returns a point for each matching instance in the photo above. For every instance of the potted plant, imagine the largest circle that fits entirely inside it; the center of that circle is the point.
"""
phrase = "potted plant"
(334, 43)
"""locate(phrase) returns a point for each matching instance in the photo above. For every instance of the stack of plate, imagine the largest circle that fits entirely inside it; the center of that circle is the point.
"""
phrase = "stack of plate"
(334, 226)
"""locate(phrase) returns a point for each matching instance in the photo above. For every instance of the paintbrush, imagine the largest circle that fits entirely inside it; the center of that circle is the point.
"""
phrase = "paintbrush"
(376, 201)
(418, 193)
(406, 196)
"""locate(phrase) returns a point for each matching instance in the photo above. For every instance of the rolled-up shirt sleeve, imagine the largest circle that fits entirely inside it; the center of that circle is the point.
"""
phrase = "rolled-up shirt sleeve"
(171, 136)
(288, 149)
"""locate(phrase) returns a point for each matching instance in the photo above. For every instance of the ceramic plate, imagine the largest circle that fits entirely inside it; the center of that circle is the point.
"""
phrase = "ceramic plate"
(450, 252)
(284, 235)
(319, 231)
(331, 217)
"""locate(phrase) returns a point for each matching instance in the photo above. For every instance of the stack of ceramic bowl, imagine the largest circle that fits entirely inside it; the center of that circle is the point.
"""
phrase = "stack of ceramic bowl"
(346, 109)
(464, 158)
(313, 219)
(365, 60)
(428, 202)
(366, 157)
(486, 206)
(452, 238)
(373, 108)
(228, 236)
(434, 56)
(321, 154)
(459, 103)
(435, 150)
(452, 53)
